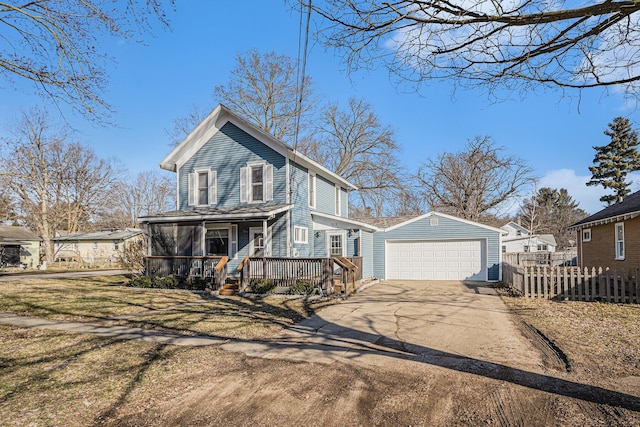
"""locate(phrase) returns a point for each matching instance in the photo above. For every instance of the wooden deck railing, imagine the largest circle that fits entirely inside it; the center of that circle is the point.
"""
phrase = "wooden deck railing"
(183, 267)
(575, 284)
(320, 272)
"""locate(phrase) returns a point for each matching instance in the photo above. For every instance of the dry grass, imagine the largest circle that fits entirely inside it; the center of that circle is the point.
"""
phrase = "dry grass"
(231, 317)
(599, 338)
(54, 378)
(86, 298)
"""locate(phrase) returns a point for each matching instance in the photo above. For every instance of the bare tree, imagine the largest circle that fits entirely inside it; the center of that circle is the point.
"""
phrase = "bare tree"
(147, 193)
(56, 185)
(182, 126)
(475, 181)
(264, 88)
(551, 211)
(516, 43)
(355, 145)
(56, 45)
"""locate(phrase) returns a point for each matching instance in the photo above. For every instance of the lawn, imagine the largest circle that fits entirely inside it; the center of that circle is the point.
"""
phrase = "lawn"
(599, 339)
(54, 378)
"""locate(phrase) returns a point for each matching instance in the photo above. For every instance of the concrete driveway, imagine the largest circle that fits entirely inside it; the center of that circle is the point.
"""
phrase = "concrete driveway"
(414, 320)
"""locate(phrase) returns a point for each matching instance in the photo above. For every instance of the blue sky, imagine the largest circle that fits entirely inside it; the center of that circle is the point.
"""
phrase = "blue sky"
(153, 83)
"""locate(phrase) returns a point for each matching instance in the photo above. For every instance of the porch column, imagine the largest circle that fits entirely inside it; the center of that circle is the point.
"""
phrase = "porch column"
(203, 238)
(267, 242)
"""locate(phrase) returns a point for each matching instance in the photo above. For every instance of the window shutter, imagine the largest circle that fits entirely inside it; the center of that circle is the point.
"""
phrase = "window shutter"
(243, 185)
(268, 183)
(192, 188)
(213, 187)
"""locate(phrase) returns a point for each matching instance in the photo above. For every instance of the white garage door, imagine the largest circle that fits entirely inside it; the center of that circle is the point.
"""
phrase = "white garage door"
(436, 260)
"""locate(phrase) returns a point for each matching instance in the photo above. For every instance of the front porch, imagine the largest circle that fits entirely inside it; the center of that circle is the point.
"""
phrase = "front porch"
(327, 275)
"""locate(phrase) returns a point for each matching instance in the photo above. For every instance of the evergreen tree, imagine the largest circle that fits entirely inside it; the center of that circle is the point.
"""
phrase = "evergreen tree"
(551, 211)
(613, 161)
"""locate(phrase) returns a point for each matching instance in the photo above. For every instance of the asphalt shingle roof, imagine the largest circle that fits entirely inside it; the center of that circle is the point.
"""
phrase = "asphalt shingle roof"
(630, 204)
(9, 233)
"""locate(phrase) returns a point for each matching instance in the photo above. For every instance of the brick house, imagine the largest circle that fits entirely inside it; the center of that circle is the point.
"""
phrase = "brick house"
(611, 237)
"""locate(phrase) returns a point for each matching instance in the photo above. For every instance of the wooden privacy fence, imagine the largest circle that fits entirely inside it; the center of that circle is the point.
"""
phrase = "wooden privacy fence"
(575, 284)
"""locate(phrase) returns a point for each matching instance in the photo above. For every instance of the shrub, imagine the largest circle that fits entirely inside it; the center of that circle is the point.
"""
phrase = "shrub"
(141, 282)
(165, 282)
(301, 287)
(263, 286)
(196, 284)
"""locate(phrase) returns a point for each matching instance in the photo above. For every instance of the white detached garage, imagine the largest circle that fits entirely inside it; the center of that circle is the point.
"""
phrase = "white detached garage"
(437, 246)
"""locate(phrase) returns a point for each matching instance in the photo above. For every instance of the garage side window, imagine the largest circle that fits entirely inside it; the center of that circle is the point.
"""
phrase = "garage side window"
(586, 235)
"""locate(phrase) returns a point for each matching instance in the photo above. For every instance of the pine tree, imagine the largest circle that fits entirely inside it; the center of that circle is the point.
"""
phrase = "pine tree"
(613, 161)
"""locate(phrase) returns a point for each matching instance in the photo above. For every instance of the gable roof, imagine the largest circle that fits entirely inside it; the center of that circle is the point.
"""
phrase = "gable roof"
(391, 223)
(99, 235)
(626, 209)
(386, 222)
(515, 225)
(10, 234)
(218, 118)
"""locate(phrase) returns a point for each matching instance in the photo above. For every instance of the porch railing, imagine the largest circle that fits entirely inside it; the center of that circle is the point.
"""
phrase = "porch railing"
(183, 267)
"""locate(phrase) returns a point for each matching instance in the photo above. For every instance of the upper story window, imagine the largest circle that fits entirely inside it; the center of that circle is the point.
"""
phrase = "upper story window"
(256, 182)
(543, 247)
(586, 235)
(337, 210)
(312, 190)
(202, 188)
(620, 240)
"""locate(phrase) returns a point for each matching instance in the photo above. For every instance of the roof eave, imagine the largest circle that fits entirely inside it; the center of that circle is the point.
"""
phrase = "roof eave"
(601, 221)
(228, 216)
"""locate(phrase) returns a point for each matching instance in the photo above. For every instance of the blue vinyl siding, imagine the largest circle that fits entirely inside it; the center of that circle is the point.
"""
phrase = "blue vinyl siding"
(300, 214)
(326, 196)
(447, 228)
(226, 152)
(366, 249)
(320, 245)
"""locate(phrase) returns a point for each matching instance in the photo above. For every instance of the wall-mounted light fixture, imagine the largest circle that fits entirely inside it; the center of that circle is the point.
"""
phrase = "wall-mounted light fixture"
(317, 234)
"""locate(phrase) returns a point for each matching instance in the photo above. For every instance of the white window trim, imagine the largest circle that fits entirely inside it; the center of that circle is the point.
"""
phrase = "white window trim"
(312, 183)
(246, 190)
(305, 234)
(338, 204)
(193, 190)
(585, 231)
(232, 229)
(619, 256)
(342, 234)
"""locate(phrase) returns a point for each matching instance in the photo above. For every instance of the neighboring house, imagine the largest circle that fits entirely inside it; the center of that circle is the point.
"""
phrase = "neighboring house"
(242, 192)
(518, 239)
(19, 245)
(611, 237)
(95, 247)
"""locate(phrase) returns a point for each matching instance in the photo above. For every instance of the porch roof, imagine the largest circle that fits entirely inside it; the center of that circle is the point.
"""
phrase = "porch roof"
(242, 213)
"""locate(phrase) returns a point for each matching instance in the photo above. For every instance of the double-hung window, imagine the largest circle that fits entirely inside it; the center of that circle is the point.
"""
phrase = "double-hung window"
(202, 188)
(256, 182)
(620, 240)
(586, 235)
(300, 234)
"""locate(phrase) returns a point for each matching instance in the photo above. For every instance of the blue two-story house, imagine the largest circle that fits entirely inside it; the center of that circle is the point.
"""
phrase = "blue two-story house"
(242, 192)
